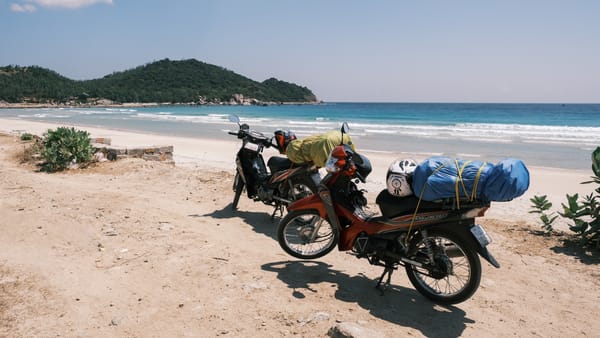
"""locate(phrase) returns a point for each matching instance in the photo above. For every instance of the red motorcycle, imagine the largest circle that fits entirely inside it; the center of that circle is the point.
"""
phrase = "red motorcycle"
(437, 242)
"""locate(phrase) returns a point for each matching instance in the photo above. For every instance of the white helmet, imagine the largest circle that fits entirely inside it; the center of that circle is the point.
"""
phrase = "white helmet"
(398, 177)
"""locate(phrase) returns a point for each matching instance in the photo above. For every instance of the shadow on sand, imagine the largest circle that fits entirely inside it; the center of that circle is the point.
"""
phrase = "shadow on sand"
(398, 305)
(260, 221)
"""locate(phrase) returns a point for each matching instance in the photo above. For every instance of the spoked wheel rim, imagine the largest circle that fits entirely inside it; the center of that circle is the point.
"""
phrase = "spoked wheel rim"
(300, 238)
(454, 274)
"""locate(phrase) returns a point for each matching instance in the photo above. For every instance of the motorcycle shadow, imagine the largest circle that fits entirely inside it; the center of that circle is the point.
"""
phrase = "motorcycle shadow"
(260, 221)
(398, 305)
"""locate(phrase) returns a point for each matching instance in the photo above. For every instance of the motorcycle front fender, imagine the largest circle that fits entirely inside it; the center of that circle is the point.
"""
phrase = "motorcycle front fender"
(240, 169)
(312, 202)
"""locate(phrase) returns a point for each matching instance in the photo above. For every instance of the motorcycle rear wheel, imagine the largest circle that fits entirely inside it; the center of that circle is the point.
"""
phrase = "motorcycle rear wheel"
(238, 187)
(455, 273)
(302, 187)
(296, 230)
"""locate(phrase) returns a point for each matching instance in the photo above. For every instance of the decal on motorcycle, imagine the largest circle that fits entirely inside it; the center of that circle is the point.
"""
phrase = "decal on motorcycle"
(429, 218)
(283, 175)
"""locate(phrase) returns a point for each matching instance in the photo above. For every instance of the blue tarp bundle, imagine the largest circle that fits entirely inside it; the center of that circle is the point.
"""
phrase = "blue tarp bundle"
(443, 177)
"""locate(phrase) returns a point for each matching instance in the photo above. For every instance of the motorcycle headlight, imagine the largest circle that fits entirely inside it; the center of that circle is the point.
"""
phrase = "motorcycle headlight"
(331, 164)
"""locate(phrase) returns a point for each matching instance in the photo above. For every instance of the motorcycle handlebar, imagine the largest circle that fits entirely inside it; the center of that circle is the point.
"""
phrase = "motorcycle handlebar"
(255, 137)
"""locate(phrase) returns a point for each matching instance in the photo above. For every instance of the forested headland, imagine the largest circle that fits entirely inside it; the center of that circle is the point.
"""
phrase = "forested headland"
(165, 81)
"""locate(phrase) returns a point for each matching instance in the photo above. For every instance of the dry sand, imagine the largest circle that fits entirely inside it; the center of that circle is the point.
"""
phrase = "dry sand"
(146, 249)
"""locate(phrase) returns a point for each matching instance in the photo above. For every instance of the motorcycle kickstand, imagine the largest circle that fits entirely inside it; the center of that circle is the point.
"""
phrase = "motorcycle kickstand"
(381, 286)
(277, 208)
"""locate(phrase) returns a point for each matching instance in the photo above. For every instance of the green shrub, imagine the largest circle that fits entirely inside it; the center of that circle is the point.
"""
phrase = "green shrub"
(26, 137)
(64, 147)
(584, 213)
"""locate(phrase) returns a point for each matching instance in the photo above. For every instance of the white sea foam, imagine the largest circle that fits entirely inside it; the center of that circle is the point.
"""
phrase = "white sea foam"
(120, 110)
(497, 133)
(480, 132)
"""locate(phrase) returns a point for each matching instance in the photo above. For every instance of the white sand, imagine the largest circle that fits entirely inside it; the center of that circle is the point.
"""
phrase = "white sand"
(144, 249)
(209, 153)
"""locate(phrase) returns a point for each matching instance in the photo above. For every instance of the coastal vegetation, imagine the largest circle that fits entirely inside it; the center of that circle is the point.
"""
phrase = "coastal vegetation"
(65, 147)
(583, 213)
(164, 81)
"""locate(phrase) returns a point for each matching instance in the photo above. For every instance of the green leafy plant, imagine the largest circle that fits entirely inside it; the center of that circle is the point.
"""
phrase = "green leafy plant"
(26, 137)
(541, 205)
(64, 147)
(584, 213)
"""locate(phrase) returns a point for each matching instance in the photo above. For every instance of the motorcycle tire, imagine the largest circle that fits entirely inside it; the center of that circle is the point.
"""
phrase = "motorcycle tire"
(238, 188)
(296, 229)
(455, 274)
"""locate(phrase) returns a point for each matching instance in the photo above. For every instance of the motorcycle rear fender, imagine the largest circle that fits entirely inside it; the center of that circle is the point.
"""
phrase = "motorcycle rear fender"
(485, 253)
(481, 250)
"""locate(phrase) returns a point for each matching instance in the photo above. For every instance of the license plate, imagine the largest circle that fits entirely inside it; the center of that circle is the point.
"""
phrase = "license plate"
(482, 237)
(251, 146)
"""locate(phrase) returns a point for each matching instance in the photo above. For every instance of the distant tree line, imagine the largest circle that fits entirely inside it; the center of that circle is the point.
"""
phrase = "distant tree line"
(163, 81)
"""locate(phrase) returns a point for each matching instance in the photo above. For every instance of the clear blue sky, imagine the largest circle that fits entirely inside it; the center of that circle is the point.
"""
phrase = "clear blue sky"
(343, 50)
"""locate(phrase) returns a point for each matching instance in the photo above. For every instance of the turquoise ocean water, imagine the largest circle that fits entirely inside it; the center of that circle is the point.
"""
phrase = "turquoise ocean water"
(553, 135)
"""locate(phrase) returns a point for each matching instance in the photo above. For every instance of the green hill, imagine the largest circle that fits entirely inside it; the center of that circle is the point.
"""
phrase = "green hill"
(35, 84)
(163, 81)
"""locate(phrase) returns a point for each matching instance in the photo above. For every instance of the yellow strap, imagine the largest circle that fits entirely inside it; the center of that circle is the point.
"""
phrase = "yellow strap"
(459, 172)
(476, 183)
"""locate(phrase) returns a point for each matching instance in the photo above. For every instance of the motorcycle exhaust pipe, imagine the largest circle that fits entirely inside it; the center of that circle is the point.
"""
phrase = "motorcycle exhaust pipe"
(402, 258)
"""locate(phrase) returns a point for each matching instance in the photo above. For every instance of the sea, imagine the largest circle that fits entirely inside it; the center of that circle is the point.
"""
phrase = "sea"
(549, 135)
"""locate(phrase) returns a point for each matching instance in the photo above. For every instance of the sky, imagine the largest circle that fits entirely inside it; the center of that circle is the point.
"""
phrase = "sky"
(342, 50)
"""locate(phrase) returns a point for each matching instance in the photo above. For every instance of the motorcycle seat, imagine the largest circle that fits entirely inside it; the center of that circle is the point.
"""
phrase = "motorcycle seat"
(277, 163)
(393, 206)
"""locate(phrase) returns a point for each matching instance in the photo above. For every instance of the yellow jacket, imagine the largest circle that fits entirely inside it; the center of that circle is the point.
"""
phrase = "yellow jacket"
(316, 148)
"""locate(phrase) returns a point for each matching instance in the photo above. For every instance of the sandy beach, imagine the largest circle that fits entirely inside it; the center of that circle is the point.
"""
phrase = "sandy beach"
(136, 248)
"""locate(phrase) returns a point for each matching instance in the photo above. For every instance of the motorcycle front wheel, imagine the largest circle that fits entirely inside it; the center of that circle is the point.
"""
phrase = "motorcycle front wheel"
(238, 187)
(305, 235)
(455, 272)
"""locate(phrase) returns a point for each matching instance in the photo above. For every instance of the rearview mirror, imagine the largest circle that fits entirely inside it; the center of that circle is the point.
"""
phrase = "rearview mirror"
(345, 128)
(234, 119)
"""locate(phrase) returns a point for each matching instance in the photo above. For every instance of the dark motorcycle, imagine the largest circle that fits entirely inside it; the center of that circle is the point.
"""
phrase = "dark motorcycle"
(437, 242)
(280, 185)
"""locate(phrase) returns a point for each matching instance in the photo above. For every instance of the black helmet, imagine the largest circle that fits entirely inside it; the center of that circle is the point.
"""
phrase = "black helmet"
(283, 138)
